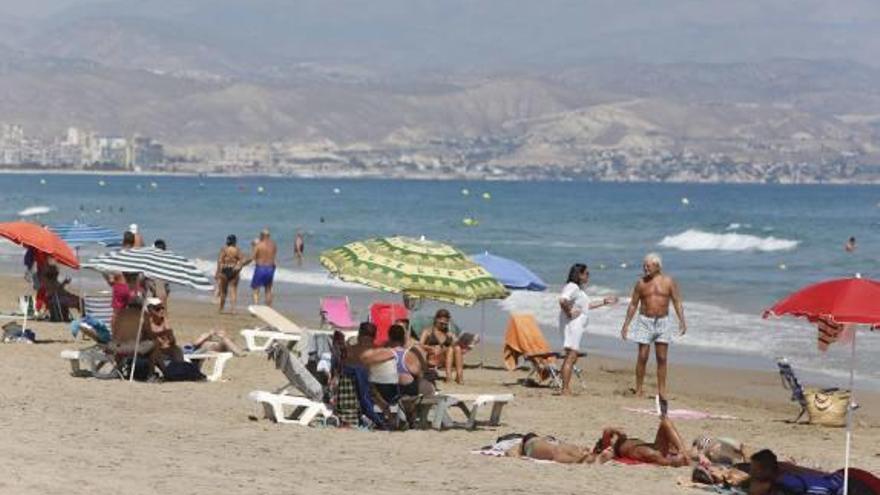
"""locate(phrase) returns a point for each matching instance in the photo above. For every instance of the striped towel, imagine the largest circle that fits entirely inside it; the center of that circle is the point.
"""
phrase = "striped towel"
(99, 307)
(830, 332)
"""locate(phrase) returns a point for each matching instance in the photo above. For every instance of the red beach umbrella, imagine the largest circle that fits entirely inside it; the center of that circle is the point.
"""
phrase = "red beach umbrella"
(40, 238)
(847, 301)
(840, 301)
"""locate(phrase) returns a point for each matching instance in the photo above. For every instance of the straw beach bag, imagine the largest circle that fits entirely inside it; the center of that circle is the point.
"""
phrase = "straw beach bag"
(827, 407)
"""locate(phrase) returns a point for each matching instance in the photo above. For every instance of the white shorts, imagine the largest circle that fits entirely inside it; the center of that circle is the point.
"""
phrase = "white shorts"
(649, 330)
(572, 334)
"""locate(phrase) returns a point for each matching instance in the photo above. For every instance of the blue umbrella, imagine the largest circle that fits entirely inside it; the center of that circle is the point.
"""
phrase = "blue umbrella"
(510, 273)
(80, 234)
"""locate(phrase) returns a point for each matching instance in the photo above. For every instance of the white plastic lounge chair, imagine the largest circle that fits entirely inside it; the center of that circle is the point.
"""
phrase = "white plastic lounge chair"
(278, 328)
(219, 358)
(303, 410)
(469, 404)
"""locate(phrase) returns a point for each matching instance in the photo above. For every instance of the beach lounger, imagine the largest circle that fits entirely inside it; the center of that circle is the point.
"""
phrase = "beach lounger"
(336, 313)
(435, 411)
(283, 407)
(278, 328)
(219, 358)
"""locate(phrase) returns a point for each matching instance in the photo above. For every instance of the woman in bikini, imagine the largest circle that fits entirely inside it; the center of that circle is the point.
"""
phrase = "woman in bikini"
(667, 449)
(441, 348)
(548, 448)
(229, 264)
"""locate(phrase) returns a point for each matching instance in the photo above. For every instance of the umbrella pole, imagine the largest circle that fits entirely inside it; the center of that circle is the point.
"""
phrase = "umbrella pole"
(482, 331)
(849, 412)
(79, 282)
(137, 341)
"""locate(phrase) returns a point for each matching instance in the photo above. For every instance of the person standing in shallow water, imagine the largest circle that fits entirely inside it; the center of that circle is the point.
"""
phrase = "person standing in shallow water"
(850, 246)
(651, 297)
(574, 317)
(299, 248)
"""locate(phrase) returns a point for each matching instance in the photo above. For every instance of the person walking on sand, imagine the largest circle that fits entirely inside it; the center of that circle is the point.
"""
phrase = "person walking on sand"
(263, 255)
(228, 272)
(574, 316)
(299, 248)
(651, 297)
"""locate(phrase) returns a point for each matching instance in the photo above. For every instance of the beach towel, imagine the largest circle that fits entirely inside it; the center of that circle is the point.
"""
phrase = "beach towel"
(361, 379)
(347, 404)
(830, 332)
(523, 337)
(681, 413)
(98, 326)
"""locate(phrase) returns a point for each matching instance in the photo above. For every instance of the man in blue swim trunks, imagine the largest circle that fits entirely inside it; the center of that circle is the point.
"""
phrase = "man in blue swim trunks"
(263, 257)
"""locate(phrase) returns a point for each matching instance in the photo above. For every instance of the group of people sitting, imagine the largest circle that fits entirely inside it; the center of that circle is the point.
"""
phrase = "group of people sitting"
(403, 369)
(131, 293)
(718, 461)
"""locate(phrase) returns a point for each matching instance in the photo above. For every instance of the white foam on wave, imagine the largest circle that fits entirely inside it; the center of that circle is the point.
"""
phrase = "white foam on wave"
(35, 210)
(284, 275)
(698, 240)
(712, 327)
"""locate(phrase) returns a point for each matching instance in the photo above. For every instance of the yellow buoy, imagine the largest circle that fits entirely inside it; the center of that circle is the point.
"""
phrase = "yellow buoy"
(487, 195)
(685, 201)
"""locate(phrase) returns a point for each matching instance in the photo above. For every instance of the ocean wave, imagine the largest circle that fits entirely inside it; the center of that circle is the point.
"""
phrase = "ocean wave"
(284, 275)
(36, 210)
(698, 240)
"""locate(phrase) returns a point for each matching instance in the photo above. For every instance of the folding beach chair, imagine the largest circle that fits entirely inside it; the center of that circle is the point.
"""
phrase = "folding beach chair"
(336, 313)
(791, 383)
(383, 315)
(276, 328)
(525, 340)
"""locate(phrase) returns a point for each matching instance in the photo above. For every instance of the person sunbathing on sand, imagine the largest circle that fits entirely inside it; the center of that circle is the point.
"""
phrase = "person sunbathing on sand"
(548, 448)
(667, 449)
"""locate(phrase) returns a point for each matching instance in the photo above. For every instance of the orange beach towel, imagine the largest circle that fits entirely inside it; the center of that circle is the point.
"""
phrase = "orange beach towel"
(523, 337)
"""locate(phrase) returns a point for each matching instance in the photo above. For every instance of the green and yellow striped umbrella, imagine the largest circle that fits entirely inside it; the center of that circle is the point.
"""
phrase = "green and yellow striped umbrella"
(415, 268)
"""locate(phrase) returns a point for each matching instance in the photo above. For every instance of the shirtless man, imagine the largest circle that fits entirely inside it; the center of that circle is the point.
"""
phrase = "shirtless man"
(299, 248)
(667, 449)
(651, 297)
(263, 256)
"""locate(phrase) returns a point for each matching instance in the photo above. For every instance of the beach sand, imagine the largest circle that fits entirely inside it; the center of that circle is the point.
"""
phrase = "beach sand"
(75, 435)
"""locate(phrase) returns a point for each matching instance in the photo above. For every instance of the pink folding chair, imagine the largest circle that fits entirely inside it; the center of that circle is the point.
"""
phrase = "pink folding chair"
(336, 312)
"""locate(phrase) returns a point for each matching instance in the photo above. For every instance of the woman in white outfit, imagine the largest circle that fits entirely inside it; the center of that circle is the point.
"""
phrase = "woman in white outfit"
(574, 316)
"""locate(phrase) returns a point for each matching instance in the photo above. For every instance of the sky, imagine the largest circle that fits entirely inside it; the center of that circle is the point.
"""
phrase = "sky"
(507, 31)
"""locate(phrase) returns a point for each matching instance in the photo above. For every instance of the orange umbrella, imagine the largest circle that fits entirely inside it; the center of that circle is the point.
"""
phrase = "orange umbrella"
(40, 238)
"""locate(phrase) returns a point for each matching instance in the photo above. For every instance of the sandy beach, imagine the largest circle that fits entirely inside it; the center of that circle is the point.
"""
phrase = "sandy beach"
(75, 435)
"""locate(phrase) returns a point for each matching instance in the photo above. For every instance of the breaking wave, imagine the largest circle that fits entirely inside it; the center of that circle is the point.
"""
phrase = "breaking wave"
(697, 240)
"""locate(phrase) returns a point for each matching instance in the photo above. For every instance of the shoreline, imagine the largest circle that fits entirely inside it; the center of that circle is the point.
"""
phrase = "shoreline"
(379, 176)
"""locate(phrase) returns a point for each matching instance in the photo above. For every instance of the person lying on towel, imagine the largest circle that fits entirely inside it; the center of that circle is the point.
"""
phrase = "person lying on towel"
(667, 449)
(765, 475)
(548, 448)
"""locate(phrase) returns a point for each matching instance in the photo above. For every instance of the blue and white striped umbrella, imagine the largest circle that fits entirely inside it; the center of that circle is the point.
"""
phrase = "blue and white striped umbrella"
(153, 263)
(80, 234)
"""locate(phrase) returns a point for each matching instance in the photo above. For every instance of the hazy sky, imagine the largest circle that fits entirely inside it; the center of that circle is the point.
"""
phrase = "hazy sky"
(500, 32)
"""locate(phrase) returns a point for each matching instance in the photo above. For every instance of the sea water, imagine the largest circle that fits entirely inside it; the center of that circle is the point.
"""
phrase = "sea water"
(734, 249)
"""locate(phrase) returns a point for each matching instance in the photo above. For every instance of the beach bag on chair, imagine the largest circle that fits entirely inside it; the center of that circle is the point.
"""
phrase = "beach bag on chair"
(827, 407)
